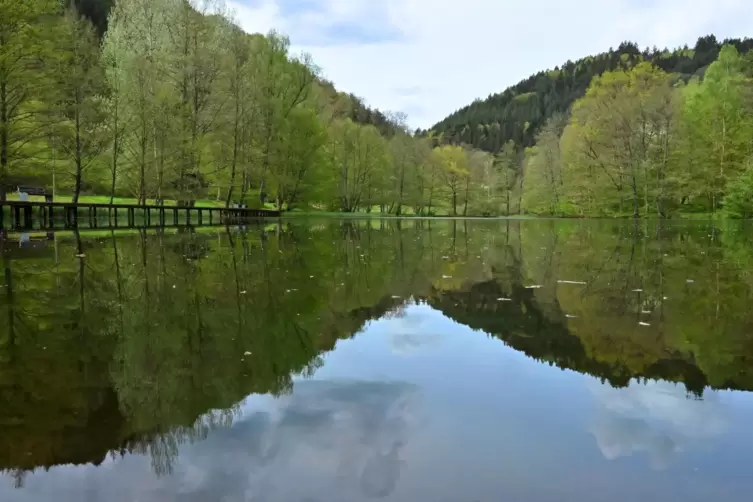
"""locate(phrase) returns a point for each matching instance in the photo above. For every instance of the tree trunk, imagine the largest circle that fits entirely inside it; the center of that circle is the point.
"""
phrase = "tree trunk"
(142, 174)
(234, 163)
(115, 145)
(520, 194)
(720, 187)
(79, 166)
(114, 168)
(465, 202)
(3, 137)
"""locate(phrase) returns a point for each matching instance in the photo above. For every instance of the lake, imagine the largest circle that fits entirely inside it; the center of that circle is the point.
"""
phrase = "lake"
(400, 360)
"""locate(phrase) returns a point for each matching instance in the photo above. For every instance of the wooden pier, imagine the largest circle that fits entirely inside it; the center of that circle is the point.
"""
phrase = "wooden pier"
(22, 215)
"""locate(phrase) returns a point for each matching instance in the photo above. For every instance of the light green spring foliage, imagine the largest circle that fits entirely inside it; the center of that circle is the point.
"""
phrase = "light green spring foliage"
(177, 102)
(642, 143)
(27, 60)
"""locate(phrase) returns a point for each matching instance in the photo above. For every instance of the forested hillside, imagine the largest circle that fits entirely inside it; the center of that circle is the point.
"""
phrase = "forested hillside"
(519, 113)
(160, 100)
(622, 134)
(171, 99)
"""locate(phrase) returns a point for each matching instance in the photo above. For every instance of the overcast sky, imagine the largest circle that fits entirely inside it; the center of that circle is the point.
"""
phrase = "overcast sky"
(428, 58)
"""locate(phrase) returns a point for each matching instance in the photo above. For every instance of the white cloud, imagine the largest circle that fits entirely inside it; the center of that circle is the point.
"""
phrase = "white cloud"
(456, 51)
(656, 417)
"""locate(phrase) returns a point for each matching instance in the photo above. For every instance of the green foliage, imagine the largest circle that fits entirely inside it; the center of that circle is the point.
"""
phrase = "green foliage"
(519, 113)
(27, 53)
(642, 143)
(716, 118)
(96, 11)
(180, 104)
(738, 201)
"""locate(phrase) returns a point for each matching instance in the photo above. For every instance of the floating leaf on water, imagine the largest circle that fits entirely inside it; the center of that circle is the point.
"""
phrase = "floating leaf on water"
(395, 297)
(504, 299)
(82, 255)
(666, 298)
(690, 281)
(569, 316)
(637, 291)
(581, 283)
(247, 353)
(535, 286)
(644, 324)
(646, 312)
(243, 292)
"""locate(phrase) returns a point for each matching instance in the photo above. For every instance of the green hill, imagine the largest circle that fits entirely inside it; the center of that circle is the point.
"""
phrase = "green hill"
(520, 111)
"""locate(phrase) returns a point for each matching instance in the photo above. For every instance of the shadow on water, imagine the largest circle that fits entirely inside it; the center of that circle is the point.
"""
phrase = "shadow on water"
(144, 340)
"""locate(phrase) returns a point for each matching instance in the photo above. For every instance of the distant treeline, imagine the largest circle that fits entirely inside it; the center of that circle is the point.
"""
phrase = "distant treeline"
(624, 133)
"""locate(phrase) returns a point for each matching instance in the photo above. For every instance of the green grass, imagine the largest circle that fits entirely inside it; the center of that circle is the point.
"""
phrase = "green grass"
(105, 199)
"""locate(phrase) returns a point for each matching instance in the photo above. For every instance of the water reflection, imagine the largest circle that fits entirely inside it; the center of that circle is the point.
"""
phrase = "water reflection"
(656, 417)
(133, 355)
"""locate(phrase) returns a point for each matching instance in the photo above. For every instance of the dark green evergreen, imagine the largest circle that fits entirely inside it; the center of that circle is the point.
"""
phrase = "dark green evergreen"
(520, 111)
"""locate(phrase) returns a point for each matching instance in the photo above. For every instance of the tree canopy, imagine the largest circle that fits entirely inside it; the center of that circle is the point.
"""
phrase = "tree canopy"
(521, 111)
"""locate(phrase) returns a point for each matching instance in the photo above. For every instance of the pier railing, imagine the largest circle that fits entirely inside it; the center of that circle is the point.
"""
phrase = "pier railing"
(24, 214)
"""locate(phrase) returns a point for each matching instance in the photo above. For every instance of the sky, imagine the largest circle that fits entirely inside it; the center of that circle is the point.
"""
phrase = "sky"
(427, 58)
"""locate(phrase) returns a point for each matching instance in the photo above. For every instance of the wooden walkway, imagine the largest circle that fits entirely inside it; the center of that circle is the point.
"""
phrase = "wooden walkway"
(22, 215)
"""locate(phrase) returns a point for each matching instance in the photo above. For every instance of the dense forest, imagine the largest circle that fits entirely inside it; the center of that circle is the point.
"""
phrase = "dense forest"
(521, 111)
(159, 100)
(625, 133)
(171, 100)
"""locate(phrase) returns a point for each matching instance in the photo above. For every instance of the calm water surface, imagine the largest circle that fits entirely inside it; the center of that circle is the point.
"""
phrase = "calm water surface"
(327, 360)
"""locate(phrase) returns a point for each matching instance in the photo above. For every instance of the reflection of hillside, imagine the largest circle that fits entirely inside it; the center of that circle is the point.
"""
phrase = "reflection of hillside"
(523, 325)
(130, 348)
